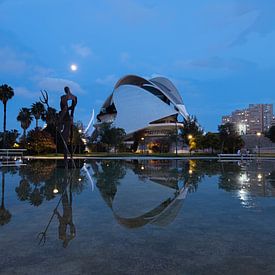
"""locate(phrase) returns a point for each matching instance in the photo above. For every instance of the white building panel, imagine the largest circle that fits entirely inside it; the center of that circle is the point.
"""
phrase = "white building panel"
(136, 108)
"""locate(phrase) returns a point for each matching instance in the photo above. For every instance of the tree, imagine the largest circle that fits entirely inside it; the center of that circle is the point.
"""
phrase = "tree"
(190, 127)
(191, 133)
(173, 138)
(25, 118)
(230, 139)
(40, 142)
(271, 133)
(37, 110)
(212, 141)
(11, 137)
(111, 136)
(137, 139)
(51, 118)
(6, 93)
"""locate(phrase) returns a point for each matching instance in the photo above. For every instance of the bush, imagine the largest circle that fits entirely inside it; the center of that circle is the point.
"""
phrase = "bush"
(40, 142)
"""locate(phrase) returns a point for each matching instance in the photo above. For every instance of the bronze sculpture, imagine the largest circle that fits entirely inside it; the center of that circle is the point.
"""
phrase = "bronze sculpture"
(66, 118)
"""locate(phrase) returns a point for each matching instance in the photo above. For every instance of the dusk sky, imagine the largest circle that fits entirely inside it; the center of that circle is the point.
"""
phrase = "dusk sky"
(219, 54)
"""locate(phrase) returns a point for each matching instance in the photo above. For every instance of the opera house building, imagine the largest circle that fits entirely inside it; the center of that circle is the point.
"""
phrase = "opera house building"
(153, 108)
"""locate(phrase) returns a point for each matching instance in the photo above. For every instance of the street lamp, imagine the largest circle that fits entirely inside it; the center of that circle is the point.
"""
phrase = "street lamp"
(143, 145)
(259, 143)
(190, 139)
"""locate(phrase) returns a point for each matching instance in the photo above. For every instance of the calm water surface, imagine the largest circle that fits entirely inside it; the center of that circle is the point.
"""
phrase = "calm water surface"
(138, 217)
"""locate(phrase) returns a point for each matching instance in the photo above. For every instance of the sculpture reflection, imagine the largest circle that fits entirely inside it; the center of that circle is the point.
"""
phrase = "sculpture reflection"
(63, 184)
(46, 180)
(66, 220)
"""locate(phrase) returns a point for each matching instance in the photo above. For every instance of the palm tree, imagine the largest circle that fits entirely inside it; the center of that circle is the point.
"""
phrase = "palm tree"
(6, 93)
(37, 110)
(25, 118)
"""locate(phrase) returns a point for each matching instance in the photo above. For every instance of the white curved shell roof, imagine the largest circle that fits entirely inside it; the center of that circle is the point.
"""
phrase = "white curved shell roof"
(136, 108)
(139, 102)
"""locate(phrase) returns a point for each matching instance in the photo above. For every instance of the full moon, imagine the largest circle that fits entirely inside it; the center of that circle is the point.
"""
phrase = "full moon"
(73, 67)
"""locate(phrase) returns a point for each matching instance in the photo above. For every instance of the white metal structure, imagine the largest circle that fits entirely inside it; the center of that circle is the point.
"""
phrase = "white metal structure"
(137, 103)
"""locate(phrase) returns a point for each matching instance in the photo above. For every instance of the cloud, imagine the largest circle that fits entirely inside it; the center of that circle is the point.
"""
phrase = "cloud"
(216, 63)
(82, 50)
(110, 79)
(58, 84)
(25, 92)
(129, 12)
(124, 57)
(263, 23)
(11, 62)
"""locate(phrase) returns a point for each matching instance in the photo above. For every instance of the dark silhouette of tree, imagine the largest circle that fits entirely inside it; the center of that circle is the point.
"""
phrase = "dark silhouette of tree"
(40, 142)
(231, 141)
(190, 127)
(11, 137)
(6, 93)
(5, 215)
(271, 133)
(111, 136)
(212, 141)
(23, 190)
(36, 197)
(137, 139)
(37, 110)
(108, 177)
(25, 118)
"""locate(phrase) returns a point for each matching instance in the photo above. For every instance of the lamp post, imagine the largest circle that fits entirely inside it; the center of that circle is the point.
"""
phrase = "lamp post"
(176, 139)
(259, 143)
(190, 140)
(143, 145)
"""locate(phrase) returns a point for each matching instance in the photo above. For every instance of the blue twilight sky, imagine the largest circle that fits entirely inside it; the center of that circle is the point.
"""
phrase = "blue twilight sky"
(219, 53)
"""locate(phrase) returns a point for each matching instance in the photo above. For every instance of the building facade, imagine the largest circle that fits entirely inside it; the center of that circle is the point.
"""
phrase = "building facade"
(256, 118)
(153, 107)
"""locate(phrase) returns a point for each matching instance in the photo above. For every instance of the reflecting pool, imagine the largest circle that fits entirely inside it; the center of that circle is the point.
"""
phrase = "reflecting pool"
(138, 217)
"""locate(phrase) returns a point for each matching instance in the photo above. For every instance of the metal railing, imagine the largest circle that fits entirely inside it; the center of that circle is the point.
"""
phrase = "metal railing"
(11, 154)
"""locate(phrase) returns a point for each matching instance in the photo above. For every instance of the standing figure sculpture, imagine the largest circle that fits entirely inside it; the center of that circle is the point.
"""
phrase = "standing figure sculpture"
(66, 118)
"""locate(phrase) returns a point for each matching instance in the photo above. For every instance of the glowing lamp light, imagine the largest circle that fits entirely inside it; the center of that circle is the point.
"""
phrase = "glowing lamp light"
(55, 190)
(142, 167)
(73, 67)
(190, 171)
(79, 179)
(190, 136)
(259, 176)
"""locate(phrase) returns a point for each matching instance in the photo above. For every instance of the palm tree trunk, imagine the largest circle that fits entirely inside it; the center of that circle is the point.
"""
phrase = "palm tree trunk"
(24, 135)
(5, 115)
(36, 127)
(5, 118)
(3, 190)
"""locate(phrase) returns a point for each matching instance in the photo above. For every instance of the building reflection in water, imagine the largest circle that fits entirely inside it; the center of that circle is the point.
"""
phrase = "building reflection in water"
(170, 174)
(249, 180)
(152, 191)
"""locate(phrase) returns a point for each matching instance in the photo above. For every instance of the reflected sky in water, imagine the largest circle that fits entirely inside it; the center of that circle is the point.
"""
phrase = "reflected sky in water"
(141, 216)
